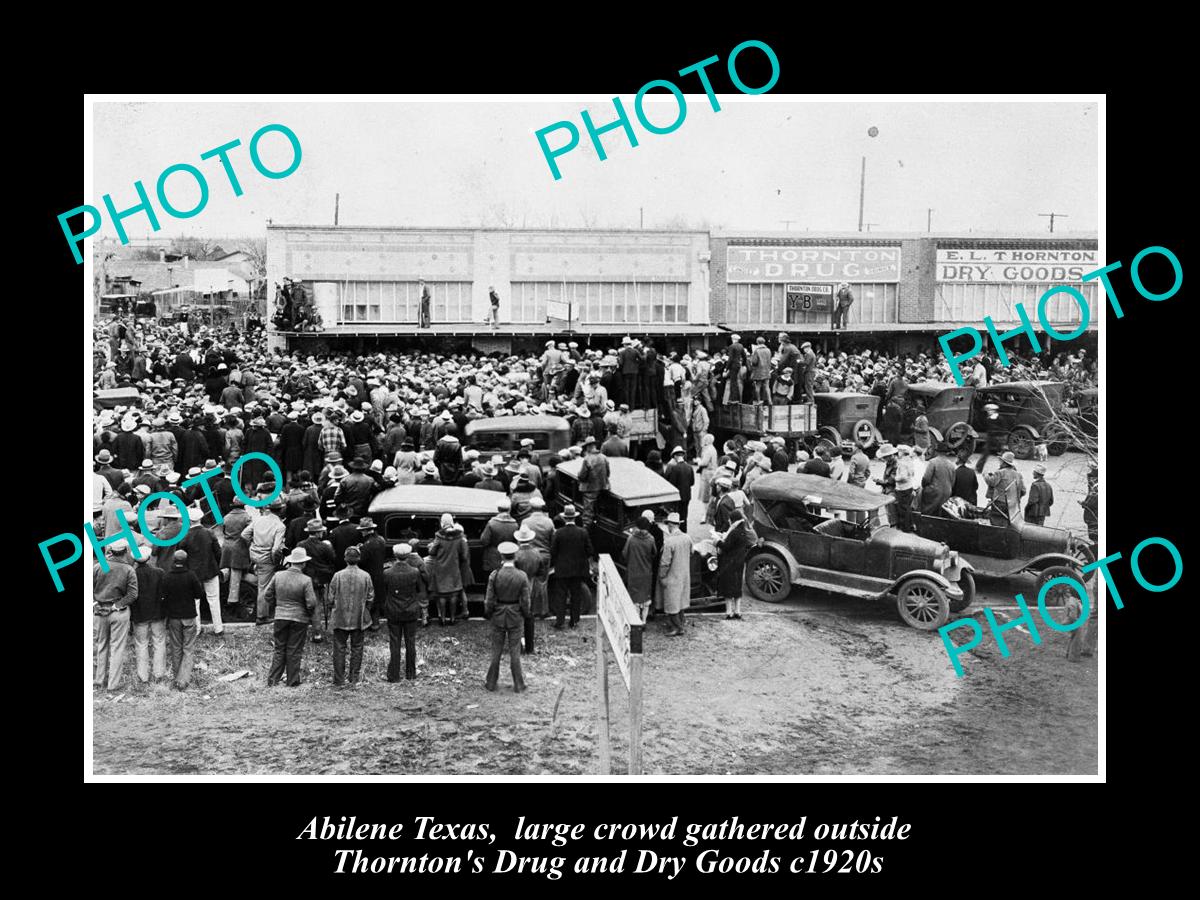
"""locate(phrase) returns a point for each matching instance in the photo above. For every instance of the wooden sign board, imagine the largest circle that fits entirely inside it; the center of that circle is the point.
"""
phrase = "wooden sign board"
(619, 627)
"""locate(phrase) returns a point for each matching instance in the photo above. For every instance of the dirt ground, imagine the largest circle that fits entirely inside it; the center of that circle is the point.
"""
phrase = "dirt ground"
(845, 690)
(818, 684)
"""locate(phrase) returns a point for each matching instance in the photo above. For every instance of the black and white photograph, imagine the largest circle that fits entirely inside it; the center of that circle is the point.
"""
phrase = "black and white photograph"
(682, 434)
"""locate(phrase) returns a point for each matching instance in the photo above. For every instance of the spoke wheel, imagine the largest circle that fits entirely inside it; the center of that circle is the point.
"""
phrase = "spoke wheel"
(922, 604)
(1021, 443)
(1060, 594)
(768, 578)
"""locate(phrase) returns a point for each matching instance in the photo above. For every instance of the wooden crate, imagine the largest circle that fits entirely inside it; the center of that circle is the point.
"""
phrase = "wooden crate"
(643, 424)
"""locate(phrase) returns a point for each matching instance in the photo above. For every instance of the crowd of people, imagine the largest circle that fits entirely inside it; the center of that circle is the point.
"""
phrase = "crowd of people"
(343, 427)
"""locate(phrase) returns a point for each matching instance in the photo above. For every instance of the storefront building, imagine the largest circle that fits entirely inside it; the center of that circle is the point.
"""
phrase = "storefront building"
(365, 281)
(907, 288)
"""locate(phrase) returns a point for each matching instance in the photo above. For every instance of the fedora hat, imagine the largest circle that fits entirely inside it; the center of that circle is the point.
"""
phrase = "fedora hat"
(366, 523)
(314, 526)
(297, 556)
(104, 457)
(569, 512)
(673, 518)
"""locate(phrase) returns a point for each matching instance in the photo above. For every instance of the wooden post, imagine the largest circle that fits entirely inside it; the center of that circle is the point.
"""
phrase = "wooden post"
(635, 714)
(602, 700)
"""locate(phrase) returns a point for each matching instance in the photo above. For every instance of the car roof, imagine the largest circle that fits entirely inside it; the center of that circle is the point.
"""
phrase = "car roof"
(839, 395)
(936, 387)
(832, 494)
(517, 423)
(630, 481)
(1020, 385)
(435, 499)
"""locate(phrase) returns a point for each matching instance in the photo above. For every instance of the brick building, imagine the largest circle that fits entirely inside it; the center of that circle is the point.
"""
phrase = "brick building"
(682, 289)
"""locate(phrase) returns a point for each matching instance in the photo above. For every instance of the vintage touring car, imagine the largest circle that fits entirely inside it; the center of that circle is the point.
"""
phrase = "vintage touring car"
(804, 542)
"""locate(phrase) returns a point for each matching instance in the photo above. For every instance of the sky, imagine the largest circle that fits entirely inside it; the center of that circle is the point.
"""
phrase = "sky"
(751, 166)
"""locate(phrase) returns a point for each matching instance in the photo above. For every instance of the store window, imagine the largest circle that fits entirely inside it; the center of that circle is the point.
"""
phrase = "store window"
(604, 302)
(399, 301)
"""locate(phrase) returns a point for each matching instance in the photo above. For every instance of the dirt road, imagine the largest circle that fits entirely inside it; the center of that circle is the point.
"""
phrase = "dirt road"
(811, 686)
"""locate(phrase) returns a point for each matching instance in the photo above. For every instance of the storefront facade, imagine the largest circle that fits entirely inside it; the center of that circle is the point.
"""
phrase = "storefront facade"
(365, 280)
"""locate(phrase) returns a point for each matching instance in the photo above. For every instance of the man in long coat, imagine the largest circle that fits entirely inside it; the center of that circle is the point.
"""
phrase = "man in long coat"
(675, 574)
(680, 473)
(537, 568)
(449, 568)
(291, 445)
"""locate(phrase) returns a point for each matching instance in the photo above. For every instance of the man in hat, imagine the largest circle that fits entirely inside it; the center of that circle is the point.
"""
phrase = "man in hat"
(819, 464)
(735, 370)
(291, 594)
(1041, 497)
(204, 559)
(506, 604)
(128, 445)
(906, 485)
(789, 357)
(426, 303)
(182, 593)
(149, 622)
(996, 439)
(537, 568)
(680, 473)
(375, 554)
(760, 370)
(1091, 504)
(404, 604)
(966, 481)
(809, 361)
(570, 558)
(351, 596)
(614, 445)
(937, 484)
(321, 566)
(1005, 490)
(489, 481)
(675, 574)
(104, 468)
(264, 537)
(356, 489)
(593, 478)
(114, 591)
(629, 359)
(841, 310)
(499, 529)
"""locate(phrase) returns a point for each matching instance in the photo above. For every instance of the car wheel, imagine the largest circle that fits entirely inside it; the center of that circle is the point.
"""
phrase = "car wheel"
(1021, 443)
(966, 583)
(922, 604)
(1060, 594)
(767, 578)
(864, 433)
(1057, 440)
(957, 433)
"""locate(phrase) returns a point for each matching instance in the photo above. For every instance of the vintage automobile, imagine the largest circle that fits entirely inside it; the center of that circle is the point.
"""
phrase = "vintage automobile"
(632, 490)
(946, 406)
(999, 551)
(411, 513)
(802, 542)
(503, 435)
(1027, 413)
(847, 417)
(109, 398)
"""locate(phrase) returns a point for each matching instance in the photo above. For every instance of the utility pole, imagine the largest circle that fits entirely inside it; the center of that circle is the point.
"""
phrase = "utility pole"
(869, 224)
(1052, 216)
(641, 217)
(787, 224)
(862, 188)
(337, 198)
(929, 219)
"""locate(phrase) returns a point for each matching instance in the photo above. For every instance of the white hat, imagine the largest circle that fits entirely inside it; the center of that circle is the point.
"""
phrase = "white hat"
(402, 549)
(508, 548)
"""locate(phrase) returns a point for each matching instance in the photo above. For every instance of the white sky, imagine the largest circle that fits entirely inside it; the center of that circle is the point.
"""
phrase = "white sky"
(756, 162)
